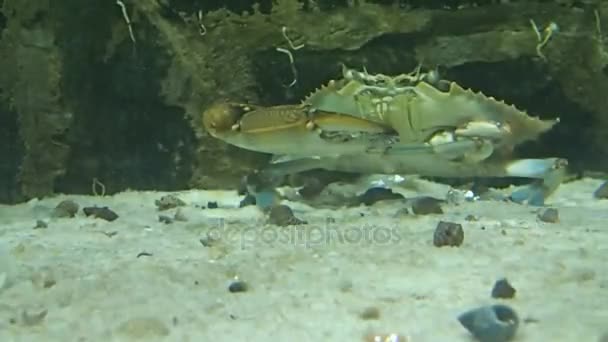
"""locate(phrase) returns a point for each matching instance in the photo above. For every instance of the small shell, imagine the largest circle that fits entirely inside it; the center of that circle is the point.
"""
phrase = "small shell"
(494, 323)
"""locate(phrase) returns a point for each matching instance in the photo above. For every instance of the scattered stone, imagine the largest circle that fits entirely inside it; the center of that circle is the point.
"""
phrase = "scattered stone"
(426, 206)
(67, 208)
(212, 205)
(448, 234)
(144, 328)
(104, 213)
(602, 193)
(370, 313)
(377, 194)
(282, 216)
(471, 218)
(169, 202)
(165, 219)
(457, 196)
(40, 224)
(238, 286)
(549, 215)
(503, 289)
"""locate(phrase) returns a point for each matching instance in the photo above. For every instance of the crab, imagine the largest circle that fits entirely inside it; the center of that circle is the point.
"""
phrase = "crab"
(411, 123)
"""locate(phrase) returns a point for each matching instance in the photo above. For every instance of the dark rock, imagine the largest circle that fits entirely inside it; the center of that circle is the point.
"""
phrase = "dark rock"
(471, 218)
(169, 202)
(238, 286)
(212, 205)
(502, 289)
(448, 234)
(426, 206)
(282, 215)
(104, 213)
(377, 194)
(370, 313)
(165, 219)
(550, 215)
(494, 323)
(67, 208)
(40, 225)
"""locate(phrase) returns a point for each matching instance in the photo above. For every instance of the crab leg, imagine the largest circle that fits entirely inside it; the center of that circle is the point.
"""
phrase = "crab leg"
(465, 150)
(548, 172)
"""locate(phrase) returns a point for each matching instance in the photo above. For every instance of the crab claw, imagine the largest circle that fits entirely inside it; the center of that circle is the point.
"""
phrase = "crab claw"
(483, 129)
(223, 116)
(550, 173)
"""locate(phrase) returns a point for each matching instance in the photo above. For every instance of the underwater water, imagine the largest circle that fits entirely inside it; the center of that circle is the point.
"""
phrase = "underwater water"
(302, 170)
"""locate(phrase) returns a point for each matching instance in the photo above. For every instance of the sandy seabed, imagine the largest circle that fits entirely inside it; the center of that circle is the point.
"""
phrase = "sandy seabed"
(349, 272)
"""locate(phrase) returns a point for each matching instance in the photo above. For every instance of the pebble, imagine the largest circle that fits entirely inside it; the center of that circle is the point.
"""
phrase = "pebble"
(448, 234)
(104, 213)
(549, 215)
(169, 202)
(282, 216)
(66, 208)
(370, 313)
(503, 289)
(602, 192)
(238, 286)
(165, 219)
(426, 206)
(471, 218)
(377, 194)
(212, 205)
(40, 224)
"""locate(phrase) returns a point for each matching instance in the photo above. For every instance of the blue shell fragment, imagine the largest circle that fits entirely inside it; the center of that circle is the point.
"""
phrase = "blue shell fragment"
(492, 323)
